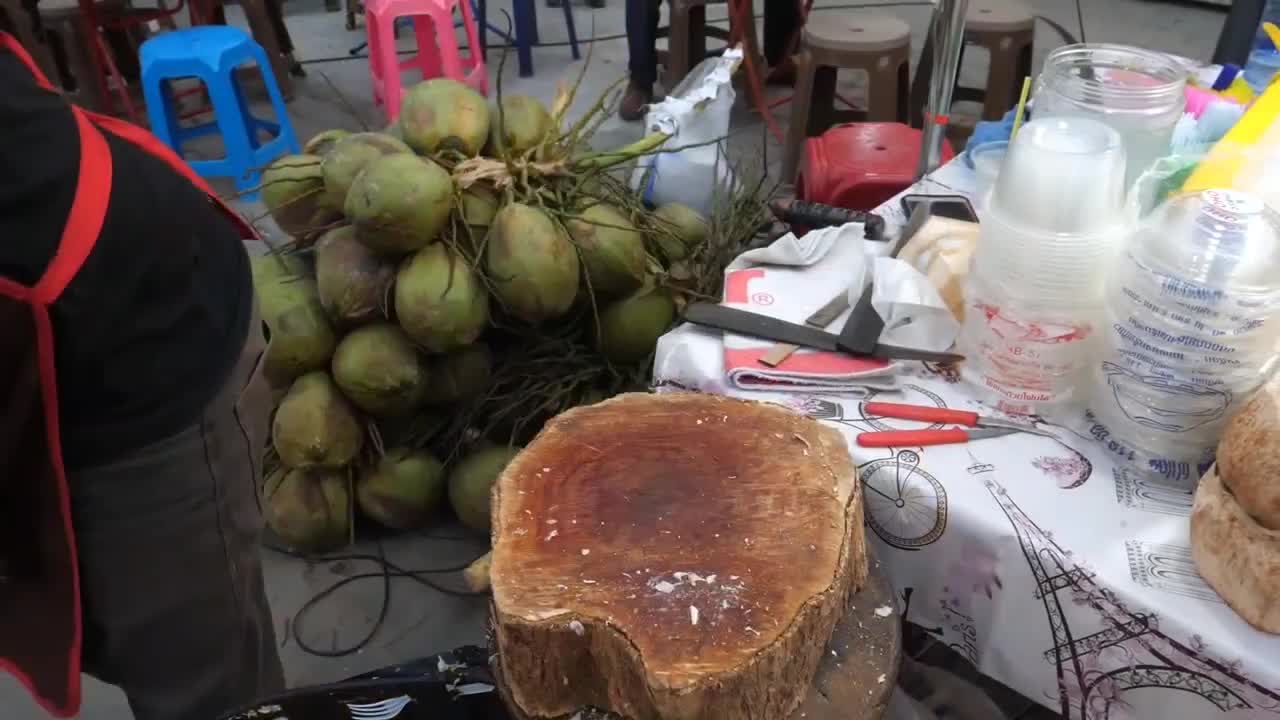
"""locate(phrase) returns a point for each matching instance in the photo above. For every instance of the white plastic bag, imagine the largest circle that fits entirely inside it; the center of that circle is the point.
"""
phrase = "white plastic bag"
(695, 113)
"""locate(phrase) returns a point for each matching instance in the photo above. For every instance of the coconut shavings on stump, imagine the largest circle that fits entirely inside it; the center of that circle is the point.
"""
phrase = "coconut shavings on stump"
(673, 556)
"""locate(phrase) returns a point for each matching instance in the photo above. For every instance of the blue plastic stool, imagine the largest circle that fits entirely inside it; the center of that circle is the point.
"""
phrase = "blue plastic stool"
(211, 53)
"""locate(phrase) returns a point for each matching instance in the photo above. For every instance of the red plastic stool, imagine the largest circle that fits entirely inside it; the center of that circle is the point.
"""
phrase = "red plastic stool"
(438, 52)
(859, 166)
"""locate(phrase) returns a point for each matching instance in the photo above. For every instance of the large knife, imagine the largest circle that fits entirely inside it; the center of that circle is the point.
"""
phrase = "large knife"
(744, 322)
(861, 332)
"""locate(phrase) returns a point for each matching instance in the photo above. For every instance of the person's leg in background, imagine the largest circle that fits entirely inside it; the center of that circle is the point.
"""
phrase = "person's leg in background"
(642, 37)
(781, 24)
(175, 609)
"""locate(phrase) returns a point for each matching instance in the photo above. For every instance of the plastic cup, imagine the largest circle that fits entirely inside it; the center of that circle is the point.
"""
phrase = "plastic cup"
(986, 160)
(1062, 175)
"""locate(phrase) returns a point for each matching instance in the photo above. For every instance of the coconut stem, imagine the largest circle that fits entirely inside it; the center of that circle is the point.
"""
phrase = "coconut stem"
(645, 145)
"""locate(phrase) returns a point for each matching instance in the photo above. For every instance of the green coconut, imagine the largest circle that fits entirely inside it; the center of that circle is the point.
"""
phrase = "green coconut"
(315, 425)
(471, 483)
(348, 158)
(379, 371)
(400, 203)
(444, 114)
(520, 124)
(532, 263)
(403, 490)
(613, 254)
(683, 230)
(293, 191)
(439, 301)
(461, 374)
(302, 339)
(630, 328)
(322, 143)
(353, 281)
(310, 510)
(476, 208)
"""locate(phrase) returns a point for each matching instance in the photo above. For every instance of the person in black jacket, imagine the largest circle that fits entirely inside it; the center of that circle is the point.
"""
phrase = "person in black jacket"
(154, 443)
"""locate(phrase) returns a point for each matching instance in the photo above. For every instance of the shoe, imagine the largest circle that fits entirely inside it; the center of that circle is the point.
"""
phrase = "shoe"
(634, 102)
(595, 4)
(784, 73)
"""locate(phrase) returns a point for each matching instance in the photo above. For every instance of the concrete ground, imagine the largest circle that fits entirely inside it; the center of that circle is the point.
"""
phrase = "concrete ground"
(335, 93)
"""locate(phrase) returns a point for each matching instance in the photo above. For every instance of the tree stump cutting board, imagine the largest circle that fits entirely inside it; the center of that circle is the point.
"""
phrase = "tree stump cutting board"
(673, 557)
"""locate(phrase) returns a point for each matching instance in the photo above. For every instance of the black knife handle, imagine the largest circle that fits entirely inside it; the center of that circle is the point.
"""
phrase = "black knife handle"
(819, 215)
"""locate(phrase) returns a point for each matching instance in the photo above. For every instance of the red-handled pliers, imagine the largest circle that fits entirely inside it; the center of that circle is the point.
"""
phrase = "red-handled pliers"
(977, 427)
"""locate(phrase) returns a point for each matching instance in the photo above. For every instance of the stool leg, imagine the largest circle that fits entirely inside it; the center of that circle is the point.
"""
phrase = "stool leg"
(160, 113)
(882, 94)
(801, 104)
(525, 35)
(903, 91)
(678, 53)
(697, 37)
(1001, 80)
(447, 54)
(264, 32)
(373, 45)
(239, 159)
(569, 27)
(477, 76)
(283, 126)
(822, 105)
(432, 36)
(919, 96)
(389, 66)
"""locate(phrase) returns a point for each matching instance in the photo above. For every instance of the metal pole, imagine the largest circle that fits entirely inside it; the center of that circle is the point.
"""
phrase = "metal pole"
(947, 36)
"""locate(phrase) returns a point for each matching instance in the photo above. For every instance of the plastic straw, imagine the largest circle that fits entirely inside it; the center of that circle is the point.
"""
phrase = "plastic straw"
(1022, 106)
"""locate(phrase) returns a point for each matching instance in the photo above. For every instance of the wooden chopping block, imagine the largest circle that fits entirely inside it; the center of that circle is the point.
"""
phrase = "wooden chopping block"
(673, 557)
(1235, 555)
(856, 674)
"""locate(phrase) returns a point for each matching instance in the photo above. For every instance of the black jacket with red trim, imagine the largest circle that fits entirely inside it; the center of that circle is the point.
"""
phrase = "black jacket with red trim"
(151, 326)
(125, 297)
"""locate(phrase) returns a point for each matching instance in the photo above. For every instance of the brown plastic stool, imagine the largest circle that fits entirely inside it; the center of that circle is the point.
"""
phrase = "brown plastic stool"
(687, 38)
(1006, 29)
(878, 44)
(67, 33)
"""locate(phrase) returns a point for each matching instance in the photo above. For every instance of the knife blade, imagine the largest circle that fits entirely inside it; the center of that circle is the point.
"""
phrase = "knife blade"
(820, 319)
(862, 330)
(744, 322)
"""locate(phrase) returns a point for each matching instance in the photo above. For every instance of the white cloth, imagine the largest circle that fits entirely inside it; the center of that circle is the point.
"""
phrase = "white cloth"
(794, 277)
(1050, 568)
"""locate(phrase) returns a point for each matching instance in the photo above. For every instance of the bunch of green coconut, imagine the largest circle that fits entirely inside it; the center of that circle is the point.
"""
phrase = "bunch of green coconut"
(452, 282)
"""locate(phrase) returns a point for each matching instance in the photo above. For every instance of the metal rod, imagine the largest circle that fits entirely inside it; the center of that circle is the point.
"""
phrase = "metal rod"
(947, 37)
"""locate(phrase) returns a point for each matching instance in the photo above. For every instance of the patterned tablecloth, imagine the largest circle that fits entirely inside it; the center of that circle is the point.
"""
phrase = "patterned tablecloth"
(1056, 572)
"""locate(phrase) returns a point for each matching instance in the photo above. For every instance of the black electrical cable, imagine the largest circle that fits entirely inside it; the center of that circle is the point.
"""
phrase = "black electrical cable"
(387, 572)
(619, 36)
(1080, 18)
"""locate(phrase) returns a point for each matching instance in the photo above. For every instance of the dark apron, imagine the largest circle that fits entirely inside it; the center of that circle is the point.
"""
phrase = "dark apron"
(40, 624)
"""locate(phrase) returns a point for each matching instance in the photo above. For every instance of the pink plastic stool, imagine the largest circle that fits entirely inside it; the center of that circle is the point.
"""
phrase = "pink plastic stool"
(438, 53)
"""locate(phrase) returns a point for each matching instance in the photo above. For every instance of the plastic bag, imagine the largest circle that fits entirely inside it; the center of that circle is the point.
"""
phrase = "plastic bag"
(696, 113)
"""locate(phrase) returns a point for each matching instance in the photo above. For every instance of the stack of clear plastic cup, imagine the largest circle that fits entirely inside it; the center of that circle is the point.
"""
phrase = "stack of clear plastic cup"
(1188, 330)
(1052, 222)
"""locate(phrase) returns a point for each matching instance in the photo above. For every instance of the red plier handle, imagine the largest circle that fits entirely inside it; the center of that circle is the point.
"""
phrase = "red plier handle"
(913, 438)
(922, 413)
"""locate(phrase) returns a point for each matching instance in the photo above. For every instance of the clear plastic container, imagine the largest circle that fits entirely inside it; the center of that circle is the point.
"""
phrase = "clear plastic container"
(1137, 92)
(1053, 221)
(986, 160)
(1188, 331)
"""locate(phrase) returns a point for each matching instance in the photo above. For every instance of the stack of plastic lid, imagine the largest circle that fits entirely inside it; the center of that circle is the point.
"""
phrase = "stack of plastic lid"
(1052, 222)
(1189, 330)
